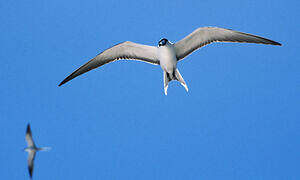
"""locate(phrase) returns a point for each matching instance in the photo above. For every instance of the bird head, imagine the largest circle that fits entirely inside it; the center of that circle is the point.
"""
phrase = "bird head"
(162, 42)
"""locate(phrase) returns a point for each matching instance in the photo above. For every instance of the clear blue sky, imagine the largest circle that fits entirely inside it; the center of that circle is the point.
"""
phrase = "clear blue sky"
(240, 119)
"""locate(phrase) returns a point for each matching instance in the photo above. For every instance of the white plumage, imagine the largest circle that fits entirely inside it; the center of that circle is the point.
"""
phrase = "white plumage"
(167, 54)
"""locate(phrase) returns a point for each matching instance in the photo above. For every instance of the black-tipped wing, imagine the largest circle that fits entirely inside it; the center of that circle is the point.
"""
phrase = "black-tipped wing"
(31, 156)
(28, 137)
(125, 50)
(206, 35)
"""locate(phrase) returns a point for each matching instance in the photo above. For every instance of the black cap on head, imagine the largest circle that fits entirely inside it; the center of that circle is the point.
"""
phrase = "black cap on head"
(162, 42)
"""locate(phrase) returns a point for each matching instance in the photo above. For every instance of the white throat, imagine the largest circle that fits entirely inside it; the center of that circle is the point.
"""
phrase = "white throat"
(167, 57)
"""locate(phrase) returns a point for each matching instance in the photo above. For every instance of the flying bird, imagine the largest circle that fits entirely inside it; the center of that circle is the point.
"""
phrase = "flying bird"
(167, 54)
(31, 149)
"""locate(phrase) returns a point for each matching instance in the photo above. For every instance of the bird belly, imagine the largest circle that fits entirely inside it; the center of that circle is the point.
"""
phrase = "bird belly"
(167, 58)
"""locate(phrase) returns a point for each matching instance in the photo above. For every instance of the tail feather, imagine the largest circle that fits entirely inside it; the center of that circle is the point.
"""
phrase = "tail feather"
(181, 80)
(167, 79)
(177, 77)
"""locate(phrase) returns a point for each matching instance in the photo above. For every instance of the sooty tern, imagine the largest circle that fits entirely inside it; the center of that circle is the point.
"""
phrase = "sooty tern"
(31, 149)
(168, 54)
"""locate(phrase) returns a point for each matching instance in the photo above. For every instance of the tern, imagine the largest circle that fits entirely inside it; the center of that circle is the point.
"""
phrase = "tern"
(167, 54)
(32, 149)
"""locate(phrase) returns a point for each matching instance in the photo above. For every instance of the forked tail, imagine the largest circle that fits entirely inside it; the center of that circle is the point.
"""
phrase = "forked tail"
(175, 76)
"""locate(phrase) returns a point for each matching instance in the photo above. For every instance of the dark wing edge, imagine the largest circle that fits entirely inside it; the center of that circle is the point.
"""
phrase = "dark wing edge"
(28, 136)
(30, 170)
(31, 158)
(100, 59)
(28, 130)
(77, 73)
(214, 34)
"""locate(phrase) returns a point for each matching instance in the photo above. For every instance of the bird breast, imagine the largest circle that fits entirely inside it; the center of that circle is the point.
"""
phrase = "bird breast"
(167, 58)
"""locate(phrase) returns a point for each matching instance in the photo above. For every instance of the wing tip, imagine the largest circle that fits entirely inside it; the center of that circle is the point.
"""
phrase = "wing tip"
(65, 80)
(30, 169)
(273, 42)
(72, 75)
(28, 128)
(277, 43)
(61, 83)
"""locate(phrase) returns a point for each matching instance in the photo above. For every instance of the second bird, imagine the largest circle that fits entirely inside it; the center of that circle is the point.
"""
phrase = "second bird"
(32, 149)
(167, 54)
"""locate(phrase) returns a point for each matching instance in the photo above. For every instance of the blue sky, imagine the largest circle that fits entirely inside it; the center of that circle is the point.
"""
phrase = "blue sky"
(240, 119)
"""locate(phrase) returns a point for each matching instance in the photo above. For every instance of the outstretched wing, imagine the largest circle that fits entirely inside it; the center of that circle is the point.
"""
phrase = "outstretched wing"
(31, 156)
(206, 35)
(28, 137)
(125, 50)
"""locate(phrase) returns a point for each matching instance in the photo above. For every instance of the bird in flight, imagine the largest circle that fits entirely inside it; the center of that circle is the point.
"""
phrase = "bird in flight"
(31, 149)
(167, 54)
